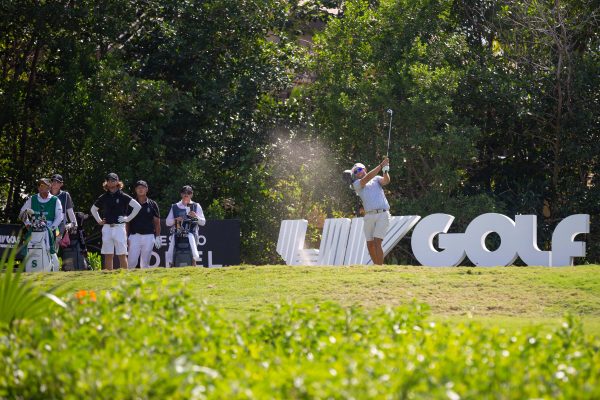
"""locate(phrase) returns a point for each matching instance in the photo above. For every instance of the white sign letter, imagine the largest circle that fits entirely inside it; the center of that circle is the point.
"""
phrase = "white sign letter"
(564, 248)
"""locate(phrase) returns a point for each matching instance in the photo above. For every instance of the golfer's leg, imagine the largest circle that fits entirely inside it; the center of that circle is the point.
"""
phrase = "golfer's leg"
(120, 243)
(378, 250)
(108, 261)
(135, 248)
(108, 248)
(123, 261)
(381, 226)
(372, 252)
(147, 244)
(368, 230)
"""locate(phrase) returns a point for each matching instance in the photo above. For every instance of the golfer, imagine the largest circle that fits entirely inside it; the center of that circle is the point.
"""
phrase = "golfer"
(144, 229)
(114, 205)
(369, 186)
(190, 215)
(56, 184)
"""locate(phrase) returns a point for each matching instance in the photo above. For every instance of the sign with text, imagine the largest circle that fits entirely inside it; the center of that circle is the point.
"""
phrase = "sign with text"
(518, 239)
(9, 238)
(218, 244)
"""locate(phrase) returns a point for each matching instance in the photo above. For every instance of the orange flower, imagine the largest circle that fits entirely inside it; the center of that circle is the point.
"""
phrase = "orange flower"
(80, 294)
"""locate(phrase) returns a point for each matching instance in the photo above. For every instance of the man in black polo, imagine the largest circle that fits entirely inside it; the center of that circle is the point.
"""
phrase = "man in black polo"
(114, 206)
(144, 229)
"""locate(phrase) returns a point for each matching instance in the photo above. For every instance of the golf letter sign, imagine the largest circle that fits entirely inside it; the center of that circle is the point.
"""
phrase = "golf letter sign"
(518, 239)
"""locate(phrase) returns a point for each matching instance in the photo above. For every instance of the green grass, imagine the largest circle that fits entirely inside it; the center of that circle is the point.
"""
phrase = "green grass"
(510, 297)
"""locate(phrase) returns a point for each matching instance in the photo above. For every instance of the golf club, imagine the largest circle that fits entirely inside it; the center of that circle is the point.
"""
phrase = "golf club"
(391, 112)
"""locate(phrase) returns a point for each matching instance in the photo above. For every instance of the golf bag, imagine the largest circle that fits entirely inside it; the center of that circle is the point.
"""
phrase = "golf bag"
(182, 252)
(181, 231)
(38, 257)
(74, 256)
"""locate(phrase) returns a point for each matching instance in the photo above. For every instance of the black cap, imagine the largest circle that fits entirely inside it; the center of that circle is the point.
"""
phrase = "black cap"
(45, 181)
(186, 188)
(141, 183)
(112, 177)
(57, 178)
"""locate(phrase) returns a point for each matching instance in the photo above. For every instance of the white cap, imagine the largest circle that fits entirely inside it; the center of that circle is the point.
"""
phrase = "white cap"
(356, 166)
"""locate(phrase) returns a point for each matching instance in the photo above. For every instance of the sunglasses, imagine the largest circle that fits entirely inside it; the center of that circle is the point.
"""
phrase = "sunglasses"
(357, 170)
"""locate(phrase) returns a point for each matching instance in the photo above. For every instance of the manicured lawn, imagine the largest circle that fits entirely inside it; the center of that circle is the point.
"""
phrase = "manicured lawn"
(511, 297)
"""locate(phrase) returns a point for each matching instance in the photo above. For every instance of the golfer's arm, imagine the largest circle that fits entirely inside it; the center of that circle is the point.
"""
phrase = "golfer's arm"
(156, 226)
(370, 175)
(136, 207)
(94, 211)
(385, 180)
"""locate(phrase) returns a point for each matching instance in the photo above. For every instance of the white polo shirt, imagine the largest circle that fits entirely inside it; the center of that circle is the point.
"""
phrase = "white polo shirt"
(372, 195)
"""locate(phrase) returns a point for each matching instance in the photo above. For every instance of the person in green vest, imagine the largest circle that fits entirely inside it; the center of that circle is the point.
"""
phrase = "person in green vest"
(46, 206)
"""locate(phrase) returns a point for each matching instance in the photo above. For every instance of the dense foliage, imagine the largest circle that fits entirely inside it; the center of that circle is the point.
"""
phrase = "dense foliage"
(261, 104)
(149, 341)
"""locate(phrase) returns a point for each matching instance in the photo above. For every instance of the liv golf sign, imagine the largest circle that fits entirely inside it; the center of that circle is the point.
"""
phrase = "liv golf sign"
(518, 239)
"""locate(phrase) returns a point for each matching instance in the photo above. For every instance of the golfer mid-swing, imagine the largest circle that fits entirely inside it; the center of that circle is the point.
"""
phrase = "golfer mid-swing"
(369, 186)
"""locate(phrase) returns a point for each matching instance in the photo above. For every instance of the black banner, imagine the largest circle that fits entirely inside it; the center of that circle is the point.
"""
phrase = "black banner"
(219, 244)
(9, 238)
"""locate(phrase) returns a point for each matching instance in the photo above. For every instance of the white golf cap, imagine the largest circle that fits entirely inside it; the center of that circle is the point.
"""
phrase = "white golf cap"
(357, 166)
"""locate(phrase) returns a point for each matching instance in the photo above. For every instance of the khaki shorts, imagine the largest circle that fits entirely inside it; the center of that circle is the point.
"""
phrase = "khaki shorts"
(114, 240)
(376, 225)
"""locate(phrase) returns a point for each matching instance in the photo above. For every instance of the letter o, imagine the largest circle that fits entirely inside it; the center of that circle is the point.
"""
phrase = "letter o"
(479, 229)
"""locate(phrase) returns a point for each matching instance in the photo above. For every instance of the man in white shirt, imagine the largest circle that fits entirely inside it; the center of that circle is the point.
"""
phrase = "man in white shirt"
(190, 215)
(44, 205)
(369, 186)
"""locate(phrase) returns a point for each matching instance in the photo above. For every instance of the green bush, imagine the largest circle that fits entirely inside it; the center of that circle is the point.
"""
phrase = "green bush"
(141, 340)
(95, 260)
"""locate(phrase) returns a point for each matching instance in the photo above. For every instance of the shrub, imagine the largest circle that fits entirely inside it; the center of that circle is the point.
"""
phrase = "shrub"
(141, 340)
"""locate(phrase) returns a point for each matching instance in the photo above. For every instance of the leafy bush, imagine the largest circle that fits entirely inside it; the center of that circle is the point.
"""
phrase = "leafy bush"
(95, 260)
(141, 340)
(20, 300)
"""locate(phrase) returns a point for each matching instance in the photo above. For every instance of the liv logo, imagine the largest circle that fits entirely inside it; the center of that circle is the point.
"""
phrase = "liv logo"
(343, 242)
(518, 239)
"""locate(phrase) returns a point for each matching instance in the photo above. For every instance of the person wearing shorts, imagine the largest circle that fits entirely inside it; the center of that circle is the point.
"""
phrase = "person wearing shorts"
(114, 205)
(369, 186)
(144, 229)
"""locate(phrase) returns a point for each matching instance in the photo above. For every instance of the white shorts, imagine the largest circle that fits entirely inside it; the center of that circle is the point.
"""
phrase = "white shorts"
(376, 225)
(140, 247)
(114, 240)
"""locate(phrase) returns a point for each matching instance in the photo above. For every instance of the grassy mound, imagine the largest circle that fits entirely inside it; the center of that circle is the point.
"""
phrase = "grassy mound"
(146, 338)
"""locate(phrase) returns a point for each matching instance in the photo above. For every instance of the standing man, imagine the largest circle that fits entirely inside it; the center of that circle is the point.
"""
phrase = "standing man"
(144, 229)
(114, 205)
(44, 205)
(56, 184)
(190, 215)
(369, 186)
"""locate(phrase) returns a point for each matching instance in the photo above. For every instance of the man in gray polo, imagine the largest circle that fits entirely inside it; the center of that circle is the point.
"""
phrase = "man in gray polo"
(369, 186)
